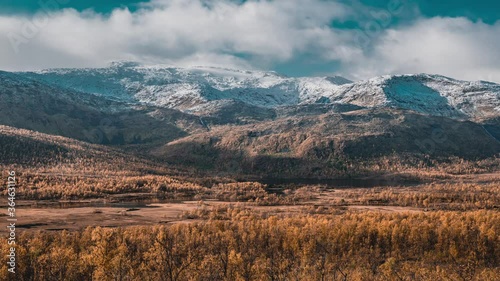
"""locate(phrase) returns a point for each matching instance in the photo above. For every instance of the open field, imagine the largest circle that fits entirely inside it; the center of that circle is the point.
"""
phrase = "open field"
(464, 193)
(135, 214)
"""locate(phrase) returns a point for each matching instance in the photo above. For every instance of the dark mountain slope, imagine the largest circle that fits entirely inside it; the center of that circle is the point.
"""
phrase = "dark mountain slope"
(28, 104)
(332, 144)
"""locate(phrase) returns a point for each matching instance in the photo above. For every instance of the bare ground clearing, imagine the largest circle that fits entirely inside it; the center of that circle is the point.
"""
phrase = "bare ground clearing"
(56, 219)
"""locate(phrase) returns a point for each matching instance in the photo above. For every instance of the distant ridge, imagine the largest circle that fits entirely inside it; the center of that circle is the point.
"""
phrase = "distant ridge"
(198, 89)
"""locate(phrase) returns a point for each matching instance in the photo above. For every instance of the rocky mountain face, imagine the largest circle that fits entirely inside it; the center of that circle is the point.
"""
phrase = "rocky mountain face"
(257, 122)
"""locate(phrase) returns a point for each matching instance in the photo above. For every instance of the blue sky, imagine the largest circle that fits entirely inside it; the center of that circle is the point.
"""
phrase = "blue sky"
(357, 39)
(488, 11)
(31, 6)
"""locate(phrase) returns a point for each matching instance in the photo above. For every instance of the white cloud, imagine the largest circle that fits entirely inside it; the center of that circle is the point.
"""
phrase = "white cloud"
(166, 31)
(256, 34)
(455, 47)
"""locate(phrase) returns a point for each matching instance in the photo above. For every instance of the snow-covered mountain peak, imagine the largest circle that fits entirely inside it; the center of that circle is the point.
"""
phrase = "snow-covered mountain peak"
(185, 87)
(194, 88)
(430, 94)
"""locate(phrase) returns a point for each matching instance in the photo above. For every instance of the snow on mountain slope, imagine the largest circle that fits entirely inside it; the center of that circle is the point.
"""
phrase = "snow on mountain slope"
(188, 88)
(430, 94)
(200, 89)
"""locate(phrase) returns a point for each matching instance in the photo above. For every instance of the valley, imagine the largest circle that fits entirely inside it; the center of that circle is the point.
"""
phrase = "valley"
(147, 160)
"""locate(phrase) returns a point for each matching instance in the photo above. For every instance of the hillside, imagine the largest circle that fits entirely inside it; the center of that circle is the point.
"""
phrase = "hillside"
(332, 144)
(32, 150)
(33, 105)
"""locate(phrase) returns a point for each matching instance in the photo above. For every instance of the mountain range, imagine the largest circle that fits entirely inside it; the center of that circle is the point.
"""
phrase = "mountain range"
(257, 122)
(200, 90)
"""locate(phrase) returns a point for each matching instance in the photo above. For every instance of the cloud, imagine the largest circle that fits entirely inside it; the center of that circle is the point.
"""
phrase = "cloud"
(455, 47)
(254, 34)
(170, 31)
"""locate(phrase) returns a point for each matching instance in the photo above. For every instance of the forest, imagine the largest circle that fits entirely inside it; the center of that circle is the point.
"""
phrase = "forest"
(244, 246)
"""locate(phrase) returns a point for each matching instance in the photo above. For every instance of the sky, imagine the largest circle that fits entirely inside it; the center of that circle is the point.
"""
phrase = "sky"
(357, 39)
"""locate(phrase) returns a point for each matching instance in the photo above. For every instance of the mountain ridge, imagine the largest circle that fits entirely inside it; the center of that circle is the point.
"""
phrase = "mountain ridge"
(198, 89)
